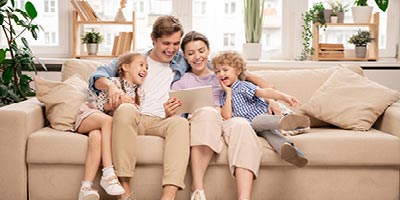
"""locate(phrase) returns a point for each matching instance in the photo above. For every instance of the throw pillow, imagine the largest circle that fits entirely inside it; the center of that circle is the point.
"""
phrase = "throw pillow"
(350, 101)
(76, 66)
(62, 100)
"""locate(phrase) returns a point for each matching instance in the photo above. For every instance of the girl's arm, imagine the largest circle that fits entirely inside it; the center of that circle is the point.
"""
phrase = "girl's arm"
(277, 95)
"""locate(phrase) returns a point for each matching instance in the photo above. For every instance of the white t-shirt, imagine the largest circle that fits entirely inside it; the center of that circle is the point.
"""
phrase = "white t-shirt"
(156, 88)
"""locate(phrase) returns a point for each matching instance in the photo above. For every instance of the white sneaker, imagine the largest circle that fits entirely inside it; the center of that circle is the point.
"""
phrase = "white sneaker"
(111, 185)
(198, 195)
(89, 194)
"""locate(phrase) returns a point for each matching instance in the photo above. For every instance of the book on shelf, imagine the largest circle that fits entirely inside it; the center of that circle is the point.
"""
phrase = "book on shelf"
(114, 49)
(331, 55)
(84, 10)
(122, 43)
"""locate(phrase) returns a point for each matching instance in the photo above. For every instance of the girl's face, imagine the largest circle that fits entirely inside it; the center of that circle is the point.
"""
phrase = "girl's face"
(196, 54)
(136, 71)
(227, 74)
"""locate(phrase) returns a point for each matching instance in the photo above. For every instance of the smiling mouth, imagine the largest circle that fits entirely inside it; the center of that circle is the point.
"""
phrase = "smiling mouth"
(142, 74)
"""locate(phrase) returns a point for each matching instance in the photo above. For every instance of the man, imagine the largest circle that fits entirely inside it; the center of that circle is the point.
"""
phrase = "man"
(166, 65)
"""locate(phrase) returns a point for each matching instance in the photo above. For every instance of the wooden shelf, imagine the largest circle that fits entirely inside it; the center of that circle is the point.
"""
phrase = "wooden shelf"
(372, 48)
(78, 24)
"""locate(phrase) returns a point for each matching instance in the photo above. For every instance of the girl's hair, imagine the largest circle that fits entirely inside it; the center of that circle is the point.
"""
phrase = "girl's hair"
(127, 58)
(166, 25)
(194, 36)
(232, 59)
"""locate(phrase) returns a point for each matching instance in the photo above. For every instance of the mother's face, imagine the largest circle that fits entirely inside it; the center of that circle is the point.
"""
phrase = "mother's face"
(196, 54)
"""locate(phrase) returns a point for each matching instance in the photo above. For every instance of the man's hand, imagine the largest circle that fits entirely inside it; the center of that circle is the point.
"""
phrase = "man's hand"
(114, 95)
(171, 106)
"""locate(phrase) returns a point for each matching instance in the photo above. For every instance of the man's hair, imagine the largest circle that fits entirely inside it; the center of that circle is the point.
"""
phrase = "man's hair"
(166, 25)
(232, 59)
(194, 36)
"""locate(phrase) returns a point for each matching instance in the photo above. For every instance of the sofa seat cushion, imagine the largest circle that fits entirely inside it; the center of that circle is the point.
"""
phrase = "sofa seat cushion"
(50, 146)
(336, 147)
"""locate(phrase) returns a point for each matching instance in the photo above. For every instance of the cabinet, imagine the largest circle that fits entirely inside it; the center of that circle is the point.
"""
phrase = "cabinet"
(78, 24)
(349, 54)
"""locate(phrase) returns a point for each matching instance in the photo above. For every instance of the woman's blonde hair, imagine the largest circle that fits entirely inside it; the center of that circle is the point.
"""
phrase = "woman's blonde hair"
(127, 58)
(232, 59)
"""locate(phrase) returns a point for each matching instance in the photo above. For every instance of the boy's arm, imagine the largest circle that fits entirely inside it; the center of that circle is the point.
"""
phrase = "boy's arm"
(257, 80)
(277, 95)
(226, 109)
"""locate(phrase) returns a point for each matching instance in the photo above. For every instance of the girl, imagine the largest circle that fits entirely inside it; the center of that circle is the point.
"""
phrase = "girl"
(132, 70)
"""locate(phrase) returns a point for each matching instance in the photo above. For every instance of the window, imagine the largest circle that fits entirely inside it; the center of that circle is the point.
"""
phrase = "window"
(220, 21)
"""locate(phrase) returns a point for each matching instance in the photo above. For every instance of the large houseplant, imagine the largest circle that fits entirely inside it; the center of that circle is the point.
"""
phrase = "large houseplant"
(92, 40)
(314, 15)
(253, 17)
(16, 57)
(360, 40)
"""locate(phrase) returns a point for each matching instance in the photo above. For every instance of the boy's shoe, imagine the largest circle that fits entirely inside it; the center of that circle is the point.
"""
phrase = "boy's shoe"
(294, 124)
(111, 185)
(292, 155)
(198, 195)
(89, 194)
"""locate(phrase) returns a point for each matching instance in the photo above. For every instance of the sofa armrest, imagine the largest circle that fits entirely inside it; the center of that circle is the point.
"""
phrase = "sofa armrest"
(389, 121)
(17, 122)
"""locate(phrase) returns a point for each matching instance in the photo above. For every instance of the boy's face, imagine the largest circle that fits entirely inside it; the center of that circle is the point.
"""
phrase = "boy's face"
(227, 74)
(165, 47)
(136, 71)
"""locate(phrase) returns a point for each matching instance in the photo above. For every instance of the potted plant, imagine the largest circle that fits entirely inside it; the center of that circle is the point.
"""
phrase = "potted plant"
(341, 9)
(92, 40)
(362, 12)
(253, 16)
(314, 15)
(16, 55)
(360, 40)
(334, 17)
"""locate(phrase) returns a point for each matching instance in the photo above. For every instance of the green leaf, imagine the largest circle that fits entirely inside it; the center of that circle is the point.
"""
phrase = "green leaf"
(7, 75)
(382, 4)
(34, 34)
(31, 10)
(1, 19)
(2, 3)
(2, 55)
(25, 42)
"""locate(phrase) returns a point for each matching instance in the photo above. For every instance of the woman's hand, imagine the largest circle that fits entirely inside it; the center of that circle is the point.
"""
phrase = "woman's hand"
(171, 106)
(274, 108)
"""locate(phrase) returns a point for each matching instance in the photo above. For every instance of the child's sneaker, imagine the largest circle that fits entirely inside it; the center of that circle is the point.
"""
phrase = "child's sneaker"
(292, 155)
(294, 124)
(198, 195)
(88, 194)
(111, 185)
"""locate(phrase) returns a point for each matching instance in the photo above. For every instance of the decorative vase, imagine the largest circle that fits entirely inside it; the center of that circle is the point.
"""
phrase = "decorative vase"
(340, 17)
(120, 15)
(361, 14)
(361, 51)
(252, 51)
(334, 19)
(92, 48)
(327, 15)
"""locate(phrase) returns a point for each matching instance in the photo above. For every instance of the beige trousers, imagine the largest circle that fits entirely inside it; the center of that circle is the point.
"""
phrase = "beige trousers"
(244, 148)
(128, 123)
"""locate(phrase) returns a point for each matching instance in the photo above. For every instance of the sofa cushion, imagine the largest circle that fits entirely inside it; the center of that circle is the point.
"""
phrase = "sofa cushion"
(62, 100)
(299, 83)
(76, 66)
(335, 147)
(350, 101)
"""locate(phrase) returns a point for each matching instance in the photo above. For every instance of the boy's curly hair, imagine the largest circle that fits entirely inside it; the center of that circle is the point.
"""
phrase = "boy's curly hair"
(232, 59)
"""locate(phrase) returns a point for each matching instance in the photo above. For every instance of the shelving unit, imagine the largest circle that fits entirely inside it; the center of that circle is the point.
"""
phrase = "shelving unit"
(77, 43)
(349, 54)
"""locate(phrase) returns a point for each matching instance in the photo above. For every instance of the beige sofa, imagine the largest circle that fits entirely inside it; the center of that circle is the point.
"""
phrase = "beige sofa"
(40, 163)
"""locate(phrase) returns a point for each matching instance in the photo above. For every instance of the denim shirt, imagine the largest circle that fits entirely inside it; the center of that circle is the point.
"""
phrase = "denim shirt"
(177, 64)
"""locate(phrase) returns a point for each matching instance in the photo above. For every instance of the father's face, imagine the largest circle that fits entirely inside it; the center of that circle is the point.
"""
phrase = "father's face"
(166, 47)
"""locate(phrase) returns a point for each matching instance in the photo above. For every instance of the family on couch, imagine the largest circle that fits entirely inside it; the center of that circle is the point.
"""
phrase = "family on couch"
(147, 110)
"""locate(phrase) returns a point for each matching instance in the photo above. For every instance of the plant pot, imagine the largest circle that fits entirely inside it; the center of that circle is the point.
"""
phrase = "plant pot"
(340, 17)
(327, 15)
(92, 48)
(334, 19)
(361, 51)
(361, 14)
(252, 51)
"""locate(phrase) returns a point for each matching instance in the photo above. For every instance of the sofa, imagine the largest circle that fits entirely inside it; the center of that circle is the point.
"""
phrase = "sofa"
(40, 162)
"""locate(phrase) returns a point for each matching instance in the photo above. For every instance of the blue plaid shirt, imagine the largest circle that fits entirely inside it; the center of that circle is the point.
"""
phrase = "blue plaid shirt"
(245, 103)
